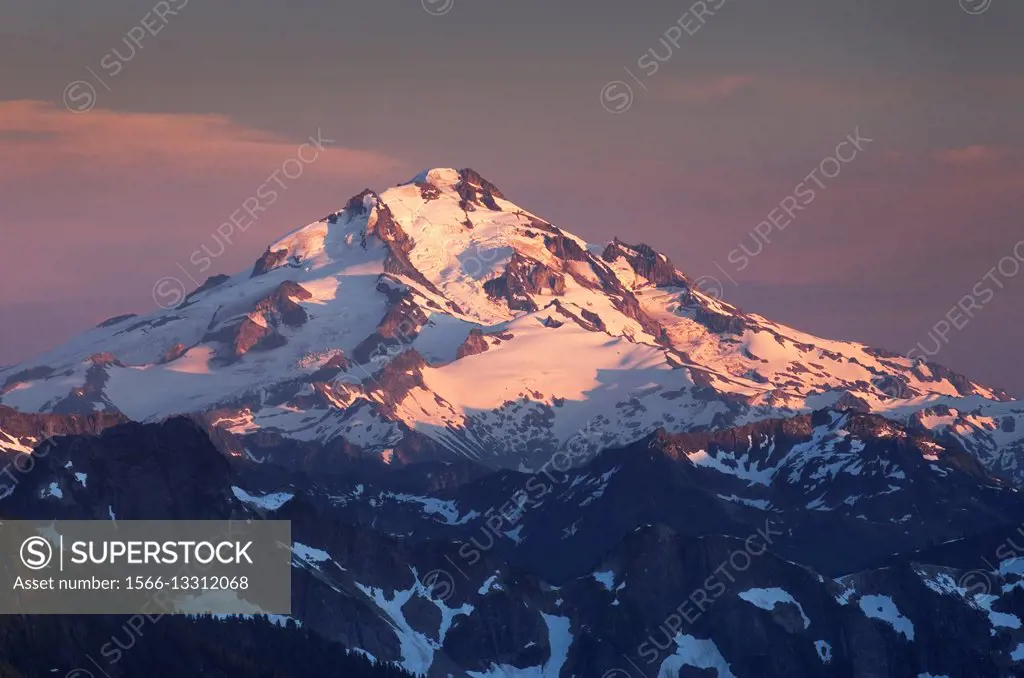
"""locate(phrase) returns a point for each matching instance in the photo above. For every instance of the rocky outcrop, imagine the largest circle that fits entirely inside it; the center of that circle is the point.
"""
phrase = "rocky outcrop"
(476, 191)
(24, 376)
(962, 384)
(894, 387)
(212, 282)
(646, 263)
(110, 322)
(719, 323)
(396, 379)
(268, 261)
(428, 191)
(522, 278)
(474, 344)
(848, 401)
(280, 307)
(90, 396)
(331, 369)
(260, 329)
(33, 429)
(565, 248)
(105, 358)
(173, 353)
(400, 325)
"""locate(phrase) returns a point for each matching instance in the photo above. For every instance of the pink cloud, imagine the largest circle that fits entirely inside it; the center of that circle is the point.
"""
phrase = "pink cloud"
(37, 138)
(788, 92)
(972, 155)
(703, 91)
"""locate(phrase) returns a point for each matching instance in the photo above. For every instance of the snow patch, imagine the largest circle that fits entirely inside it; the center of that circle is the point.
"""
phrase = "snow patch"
(767, 599)
(267, 502)
(606, 579)
(310, 554)
(884, 609)
(491, 584)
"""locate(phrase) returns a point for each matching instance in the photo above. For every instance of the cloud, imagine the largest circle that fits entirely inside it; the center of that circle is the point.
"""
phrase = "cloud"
(972, 155)
(704, 91)
(774, 97)
(37, 138)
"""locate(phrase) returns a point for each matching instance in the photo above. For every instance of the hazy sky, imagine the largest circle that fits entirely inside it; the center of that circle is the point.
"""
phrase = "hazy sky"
(97, 205)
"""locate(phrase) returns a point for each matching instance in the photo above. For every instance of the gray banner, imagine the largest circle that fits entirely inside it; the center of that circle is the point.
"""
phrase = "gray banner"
(145, 566)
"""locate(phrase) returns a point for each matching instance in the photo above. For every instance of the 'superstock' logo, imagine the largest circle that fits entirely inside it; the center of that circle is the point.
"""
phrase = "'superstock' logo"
(36, 553)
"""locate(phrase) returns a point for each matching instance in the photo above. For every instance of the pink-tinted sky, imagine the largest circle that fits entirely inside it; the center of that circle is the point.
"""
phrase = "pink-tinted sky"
(186, 123)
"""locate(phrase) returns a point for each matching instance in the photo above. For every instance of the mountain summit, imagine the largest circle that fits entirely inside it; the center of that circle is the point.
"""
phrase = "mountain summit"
(438, 319)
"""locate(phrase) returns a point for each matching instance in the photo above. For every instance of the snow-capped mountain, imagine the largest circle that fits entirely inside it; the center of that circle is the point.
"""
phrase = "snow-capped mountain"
(591, 466)
(437, 319)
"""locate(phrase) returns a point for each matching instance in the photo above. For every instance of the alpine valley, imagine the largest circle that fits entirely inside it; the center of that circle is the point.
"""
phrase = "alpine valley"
(510, 453)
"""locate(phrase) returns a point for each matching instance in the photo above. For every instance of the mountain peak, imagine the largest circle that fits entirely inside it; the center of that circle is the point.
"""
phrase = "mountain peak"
(526, 333)
(448, 177)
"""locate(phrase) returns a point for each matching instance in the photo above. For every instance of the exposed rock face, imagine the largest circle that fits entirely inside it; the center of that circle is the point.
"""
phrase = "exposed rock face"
(394, 381)
(210, 283)
(31, 430)
(474, 344)
(524, 277)
(894, 387)
(848, 401)
(964, 386)
(646, 262)
(102, 359)
(428, 191)
(174, 352)
(280, 307)
(90, 396)
(110, 322)
(357, 204)
(622, 298)
(38, 372)
(477, 191)
(268, 262)
(399, 326)
(565, 248)
(332, 368)
(594, 319)
(260, 329)
(250, 334)
(718, 322)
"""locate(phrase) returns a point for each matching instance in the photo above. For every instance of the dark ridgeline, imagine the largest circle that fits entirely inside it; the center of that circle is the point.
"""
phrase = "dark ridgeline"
(646, 543)
(174, 647)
